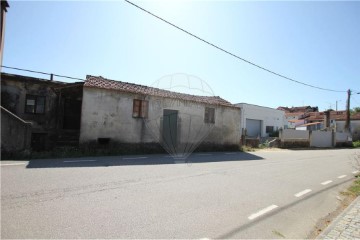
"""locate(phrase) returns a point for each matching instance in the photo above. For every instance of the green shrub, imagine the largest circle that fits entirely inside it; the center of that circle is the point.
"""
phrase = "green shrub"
(356, 144)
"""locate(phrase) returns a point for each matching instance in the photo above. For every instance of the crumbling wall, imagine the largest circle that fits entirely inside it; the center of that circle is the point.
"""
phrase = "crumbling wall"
(15, 133)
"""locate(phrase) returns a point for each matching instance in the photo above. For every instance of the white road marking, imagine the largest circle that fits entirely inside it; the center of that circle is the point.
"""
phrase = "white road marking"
(326, 182)
(12, 164)
(342, 176)
(262, 212)
(299, 194)
(75, 161)
(355, 172)
(230, 153)
(132, 158)
(204, 154)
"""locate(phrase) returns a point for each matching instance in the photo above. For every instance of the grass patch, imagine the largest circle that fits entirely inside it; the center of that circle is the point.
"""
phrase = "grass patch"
(277, 233)
(248, 149)
(354, 189)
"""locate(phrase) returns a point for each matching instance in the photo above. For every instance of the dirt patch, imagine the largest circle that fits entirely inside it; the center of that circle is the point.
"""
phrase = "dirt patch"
(324, 222)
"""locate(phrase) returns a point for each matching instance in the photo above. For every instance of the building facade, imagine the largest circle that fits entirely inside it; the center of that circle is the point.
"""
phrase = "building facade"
(51, 107)
(115, 113)
(260, 121)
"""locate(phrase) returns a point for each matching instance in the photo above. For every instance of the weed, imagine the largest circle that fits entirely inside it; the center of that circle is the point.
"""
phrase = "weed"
(278, 233)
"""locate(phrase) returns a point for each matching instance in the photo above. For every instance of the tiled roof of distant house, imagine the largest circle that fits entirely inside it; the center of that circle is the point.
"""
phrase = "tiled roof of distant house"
(300, 109)
(334, 115)
(293, 114)
(298, 115)
(309, 124)
(295, 120)
(100, 82)
(356, 116)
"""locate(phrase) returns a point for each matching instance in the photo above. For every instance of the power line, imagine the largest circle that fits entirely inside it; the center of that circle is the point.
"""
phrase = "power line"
(32, 71)
(232, 54)
(353, 98)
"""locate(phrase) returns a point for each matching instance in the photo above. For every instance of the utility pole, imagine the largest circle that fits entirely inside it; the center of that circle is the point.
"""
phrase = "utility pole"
(336, 103)
(347, 122)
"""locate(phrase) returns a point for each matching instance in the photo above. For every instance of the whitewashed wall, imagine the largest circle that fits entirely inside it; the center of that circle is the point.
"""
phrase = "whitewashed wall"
(354, 126)
(108, 114)
(268, 116)
(321, 139)
(288, 134)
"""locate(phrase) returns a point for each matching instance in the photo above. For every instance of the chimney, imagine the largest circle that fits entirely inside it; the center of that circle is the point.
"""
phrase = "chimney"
(327, 119)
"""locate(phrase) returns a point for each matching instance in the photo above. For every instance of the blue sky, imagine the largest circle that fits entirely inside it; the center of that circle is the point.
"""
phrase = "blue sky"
(313, 42)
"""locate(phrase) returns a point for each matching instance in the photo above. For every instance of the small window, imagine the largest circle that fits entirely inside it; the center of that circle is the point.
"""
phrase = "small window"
(140, 108)
(35, 104)
(209, 115)
(269, 129)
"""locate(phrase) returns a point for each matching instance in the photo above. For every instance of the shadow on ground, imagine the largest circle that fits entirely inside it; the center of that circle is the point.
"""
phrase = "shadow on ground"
(157, 159)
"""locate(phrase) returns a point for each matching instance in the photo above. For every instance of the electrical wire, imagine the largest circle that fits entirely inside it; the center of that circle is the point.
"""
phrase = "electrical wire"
(231, 54)
(56, 75)
(353, 98)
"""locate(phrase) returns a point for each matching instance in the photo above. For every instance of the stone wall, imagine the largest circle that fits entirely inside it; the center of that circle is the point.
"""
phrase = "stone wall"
(15, 133)
(108, 114)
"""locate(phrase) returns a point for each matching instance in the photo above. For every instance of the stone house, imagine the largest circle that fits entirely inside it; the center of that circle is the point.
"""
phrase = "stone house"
(295, 115)
(52, 108)
(108, 113)
(115, 113)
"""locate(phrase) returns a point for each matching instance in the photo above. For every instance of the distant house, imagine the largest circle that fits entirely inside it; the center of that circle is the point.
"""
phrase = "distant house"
(303, 109)
(339, 125)
(336, 121)
(52, 108)
(260, 121)
(115, 113)
(294, 116)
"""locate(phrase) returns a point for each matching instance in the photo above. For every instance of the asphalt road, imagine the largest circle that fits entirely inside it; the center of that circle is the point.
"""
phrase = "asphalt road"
(267, 194)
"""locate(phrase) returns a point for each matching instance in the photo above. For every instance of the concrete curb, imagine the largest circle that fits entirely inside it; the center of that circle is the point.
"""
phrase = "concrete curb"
(333, 224)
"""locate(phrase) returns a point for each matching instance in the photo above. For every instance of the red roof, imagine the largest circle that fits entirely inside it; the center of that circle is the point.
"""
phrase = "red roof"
(309, 124)
(300, 109)
(334, 115)
(103, 83)
(294, 114)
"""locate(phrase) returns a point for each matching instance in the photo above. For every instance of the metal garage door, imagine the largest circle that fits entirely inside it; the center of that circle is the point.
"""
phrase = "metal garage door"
(253, 127)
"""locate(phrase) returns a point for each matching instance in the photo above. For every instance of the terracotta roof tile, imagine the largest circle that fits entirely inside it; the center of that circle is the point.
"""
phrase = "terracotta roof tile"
(100, 82)
(334, 115)
(309, 124)
(294, 114)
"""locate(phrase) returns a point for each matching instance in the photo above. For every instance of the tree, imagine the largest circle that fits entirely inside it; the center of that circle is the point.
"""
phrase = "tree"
(355, 110)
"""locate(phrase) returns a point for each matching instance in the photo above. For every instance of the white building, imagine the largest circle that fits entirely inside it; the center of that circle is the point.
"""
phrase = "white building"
(260, 121)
